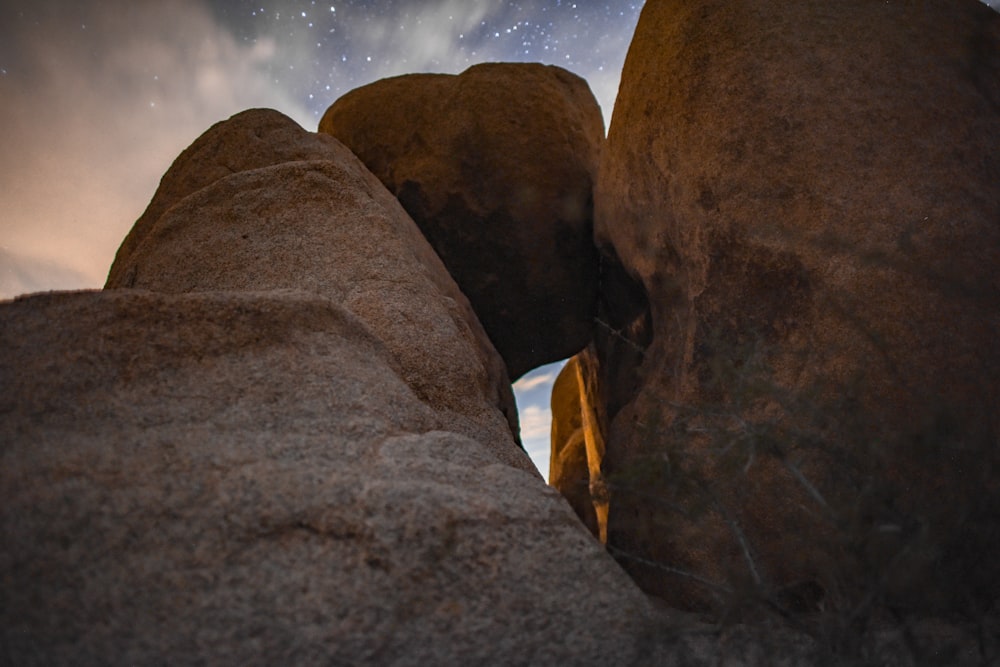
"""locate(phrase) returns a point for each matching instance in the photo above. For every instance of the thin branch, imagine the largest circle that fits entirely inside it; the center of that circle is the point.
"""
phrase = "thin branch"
(734, 526)
(618, 334)
(615, 551)
(797, 474)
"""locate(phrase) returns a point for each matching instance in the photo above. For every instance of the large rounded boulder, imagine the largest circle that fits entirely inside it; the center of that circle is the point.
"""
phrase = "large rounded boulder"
(809, 197)
(496, 165)
(253, 139)
(321, 222)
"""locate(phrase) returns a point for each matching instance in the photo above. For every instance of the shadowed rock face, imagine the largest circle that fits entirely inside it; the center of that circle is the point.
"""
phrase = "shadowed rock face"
(496, 167)
(245, 478)
(809, 194)
(324, 225)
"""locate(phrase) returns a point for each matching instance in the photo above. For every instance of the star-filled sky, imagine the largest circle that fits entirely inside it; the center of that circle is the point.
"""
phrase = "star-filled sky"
(97, 97)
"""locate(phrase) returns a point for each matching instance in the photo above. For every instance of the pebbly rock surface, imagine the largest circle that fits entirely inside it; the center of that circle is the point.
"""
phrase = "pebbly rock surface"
(496, 165)
(809, 196)
(325, 225)
(245, 478)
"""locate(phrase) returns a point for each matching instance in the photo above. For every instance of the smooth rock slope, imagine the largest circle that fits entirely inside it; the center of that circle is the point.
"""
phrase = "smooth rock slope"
(245, 478)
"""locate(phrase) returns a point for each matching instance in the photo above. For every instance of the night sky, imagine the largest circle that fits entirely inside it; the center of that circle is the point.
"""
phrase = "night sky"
(97, 97)
(324, 49)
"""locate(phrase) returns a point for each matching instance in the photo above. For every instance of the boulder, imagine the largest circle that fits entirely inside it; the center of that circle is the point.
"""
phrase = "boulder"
(327, 226)
(578, 441)
(244, 478)
(496, 166)
(249, 140)
(569, 471)
(807, 197)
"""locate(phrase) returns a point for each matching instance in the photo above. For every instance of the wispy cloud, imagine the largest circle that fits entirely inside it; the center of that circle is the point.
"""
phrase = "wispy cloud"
(535, 427)
(20, 275)
(98, 99)
(529, 382)
(535, 422)
(427, 37)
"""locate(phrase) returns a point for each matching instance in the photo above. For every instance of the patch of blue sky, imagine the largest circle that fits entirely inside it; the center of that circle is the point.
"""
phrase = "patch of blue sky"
(533, 393)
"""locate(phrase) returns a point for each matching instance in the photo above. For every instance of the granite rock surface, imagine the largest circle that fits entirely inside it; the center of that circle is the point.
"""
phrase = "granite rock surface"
(808, 197)
(496, 165)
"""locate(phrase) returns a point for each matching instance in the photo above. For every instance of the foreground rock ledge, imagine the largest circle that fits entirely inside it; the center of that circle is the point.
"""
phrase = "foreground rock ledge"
(231, 478)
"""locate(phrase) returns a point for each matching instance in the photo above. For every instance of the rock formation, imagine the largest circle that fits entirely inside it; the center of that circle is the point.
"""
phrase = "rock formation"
(245, 478)
(250, 140)
(281, 435)
(578, 442)
(326, 225)
(226, 470)
(496, 166)
(569, 472)
(809, 198)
